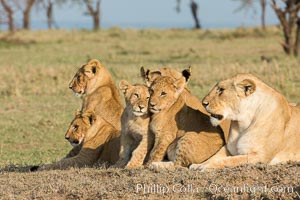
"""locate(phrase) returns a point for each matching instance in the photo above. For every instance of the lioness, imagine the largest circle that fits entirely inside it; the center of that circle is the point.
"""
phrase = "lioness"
(264, 128)
(193, 139)
(136, 140)
(95, 85)
(94, 140)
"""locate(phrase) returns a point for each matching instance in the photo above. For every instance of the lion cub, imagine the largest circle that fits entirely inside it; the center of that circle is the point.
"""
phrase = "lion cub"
(136, 139)
(93, 139)
(181, 132)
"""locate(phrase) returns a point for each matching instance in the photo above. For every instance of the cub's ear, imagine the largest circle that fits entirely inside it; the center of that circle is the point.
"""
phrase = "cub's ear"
(187, 73)
(149, 76)
(124, 86)
(179, 85)
(144, 73)
(248, 86)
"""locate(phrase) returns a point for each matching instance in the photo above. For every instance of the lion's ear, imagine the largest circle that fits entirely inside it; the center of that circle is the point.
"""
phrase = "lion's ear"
(179, 85)
(187, 73)
(148, 76)
(143, 72)
(124, 86)
(95, 66)
(91, 116)
(248, 86)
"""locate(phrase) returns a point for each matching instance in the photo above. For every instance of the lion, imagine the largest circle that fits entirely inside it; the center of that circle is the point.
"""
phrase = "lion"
(191, 101)
(136, 140)
(94, 141)
(94, 84)
(264, 127)
(181, 132)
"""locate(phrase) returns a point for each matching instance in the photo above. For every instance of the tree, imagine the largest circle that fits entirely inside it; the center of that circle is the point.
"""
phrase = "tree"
(94, 12)
(9, 15)
(290, 22)
(246, 4)
(26, 13)
(194, 10)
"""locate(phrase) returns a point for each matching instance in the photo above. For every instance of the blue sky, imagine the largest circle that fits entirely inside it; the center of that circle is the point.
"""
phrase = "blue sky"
(156, 14)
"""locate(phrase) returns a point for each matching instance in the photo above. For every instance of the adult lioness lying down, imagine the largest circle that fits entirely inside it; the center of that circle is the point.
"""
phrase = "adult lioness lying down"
(94, 141)
(264, 127)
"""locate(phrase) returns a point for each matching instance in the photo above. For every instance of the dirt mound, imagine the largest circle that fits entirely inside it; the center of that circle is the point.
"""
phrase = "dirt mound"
(243, 182)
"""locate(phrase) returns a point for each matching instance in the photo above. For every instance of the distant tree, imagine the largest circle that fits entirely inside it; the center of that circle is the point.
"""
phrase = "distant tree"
(94, 12)
(194, 10)
(48, 6)
(9, 15)
(246, 4)
(26, 13)
(290, 21)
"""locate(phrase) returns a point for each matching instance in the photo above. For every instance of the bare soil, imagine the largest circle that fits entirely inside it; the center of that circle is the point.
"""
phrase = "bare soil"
(244, 182)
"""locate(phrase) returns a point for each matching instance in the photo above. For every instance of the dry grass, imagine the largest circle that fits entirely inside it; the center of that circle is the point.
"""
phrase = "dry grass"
(37, 106)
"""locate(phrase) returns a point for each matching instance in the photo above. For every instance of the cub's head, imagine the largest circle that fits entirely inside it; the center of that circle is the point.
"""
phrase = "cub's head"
(164, 92)
(79, 127)
(136, 97)
(86, 77)
(224, 101)
(150, 76)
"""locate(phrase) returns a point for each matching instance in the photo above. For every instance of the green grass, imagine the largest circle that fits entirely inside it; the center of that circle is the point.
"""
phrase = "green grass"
(36, 67)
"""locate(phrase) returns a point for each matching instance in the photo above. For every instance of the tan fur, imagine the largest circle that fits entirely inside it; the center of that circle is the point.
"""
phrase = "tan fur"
(100, 143)
(264, 128)
(136, 140)
(191, 101)
(95, 85)
(186, 131)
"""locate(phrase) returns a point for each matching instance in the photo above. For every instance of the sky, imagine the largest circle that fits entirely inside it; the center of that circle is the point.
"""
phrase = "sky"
(138, 14)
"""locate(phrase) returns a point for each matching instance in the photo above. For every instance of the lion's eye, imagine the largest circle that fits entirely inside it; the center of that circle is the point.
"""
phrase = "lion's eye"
(75, 127)
(220, 90)
(78, 78)
(136, 95)
(163, 94)
(148, 98)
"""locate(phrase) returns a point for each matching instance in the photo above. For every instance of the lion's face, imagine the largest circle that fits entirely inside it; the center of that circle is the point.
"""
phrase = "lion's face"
(164, 92)
(136, 97)
(79, 127)
(224, 100)
(84, 77)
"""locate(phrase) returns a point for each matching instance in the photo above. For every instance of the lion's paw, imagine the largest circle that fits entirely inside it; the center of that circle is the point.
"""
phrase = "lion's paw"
(157, 166)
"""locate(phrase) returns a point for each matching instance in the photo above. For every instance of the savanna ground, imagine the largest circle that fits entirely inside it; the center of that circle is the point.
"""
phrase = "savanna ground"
(37, 107)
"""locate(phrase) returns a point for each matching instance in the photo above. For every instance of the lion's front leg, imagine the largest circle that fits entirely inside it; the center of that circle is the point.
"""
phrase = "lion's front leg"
(74, 152)
(125, 151)
(160, 147)
(139, 154)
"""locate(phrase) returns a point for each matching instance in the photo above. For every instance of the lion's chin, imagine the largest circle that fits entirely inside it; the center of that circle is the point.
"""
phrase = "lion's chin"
(215, 121)
(139, 114)
(153, 110)
(76, 144)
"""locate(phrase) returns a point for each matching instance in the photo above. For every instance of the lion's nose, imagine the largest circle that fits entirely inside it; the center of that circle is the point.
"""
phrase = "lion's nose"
(141, 107)
(67, 137)
(205, 103)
